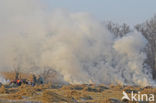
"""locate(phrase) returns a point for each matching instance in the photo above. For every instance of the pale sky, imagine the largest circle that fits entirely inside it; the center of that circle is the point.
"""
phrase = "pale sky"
(128, 11)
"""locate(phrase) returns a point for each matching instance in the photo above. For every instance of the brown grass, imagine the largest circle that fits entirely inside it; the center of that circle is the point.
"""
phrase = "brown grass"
(49, 96)
(11, 75)
(3, 90)
(70, 93)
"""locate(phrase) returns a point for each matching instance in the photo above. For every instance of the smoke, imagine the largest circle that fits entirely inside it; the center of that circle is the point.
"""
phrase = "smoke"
(76, 45)
(3, 80)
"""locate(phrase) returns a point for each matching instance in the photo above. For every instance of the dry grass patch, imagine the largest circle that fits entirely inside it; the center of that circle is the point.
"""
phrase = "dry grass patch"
(49, 96)
(3, 90)
(11, 75)
(26, 90)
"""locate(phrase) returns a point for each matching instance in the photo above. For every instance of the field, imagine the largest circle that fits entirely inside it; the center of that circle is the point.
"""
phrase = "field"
(85, 93)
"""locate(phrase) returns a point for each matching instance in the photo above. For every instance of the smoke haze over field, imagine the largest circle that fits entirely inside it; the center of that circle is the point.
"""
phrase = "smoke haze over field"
(76, 45)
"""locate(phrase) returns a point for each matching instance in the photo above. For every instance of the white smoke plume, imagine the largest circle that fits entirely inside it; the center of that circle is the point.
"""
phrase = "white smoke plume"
(75, 45)
(3, 80)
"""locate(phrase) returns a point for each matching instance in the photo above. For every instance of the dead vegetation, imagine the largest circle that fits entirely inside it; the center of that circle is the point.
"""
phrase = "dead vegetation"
(49, 96)
(70, 93)
(3, 90)
(11, 75)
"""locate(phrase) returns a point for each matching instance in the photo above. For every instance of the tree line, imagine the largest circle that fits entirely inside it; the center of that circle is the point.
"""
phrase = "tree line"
(148, 30)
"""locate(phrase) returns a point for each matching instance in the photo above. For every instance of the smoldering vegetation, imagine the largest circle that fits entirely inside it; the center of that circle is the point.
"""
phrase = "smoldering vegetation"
(75, 47)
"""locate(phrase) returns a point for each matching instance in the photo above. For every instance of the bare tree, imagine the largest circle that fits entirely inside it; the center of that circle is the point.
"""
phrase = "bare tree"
(148, 29)
(118, 30)
(48, 74)
(16, 69)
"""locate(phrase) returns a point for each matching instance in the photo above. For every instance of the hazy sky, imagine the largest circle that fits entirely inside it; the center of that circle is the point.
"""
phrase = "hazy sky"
(129, 11)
